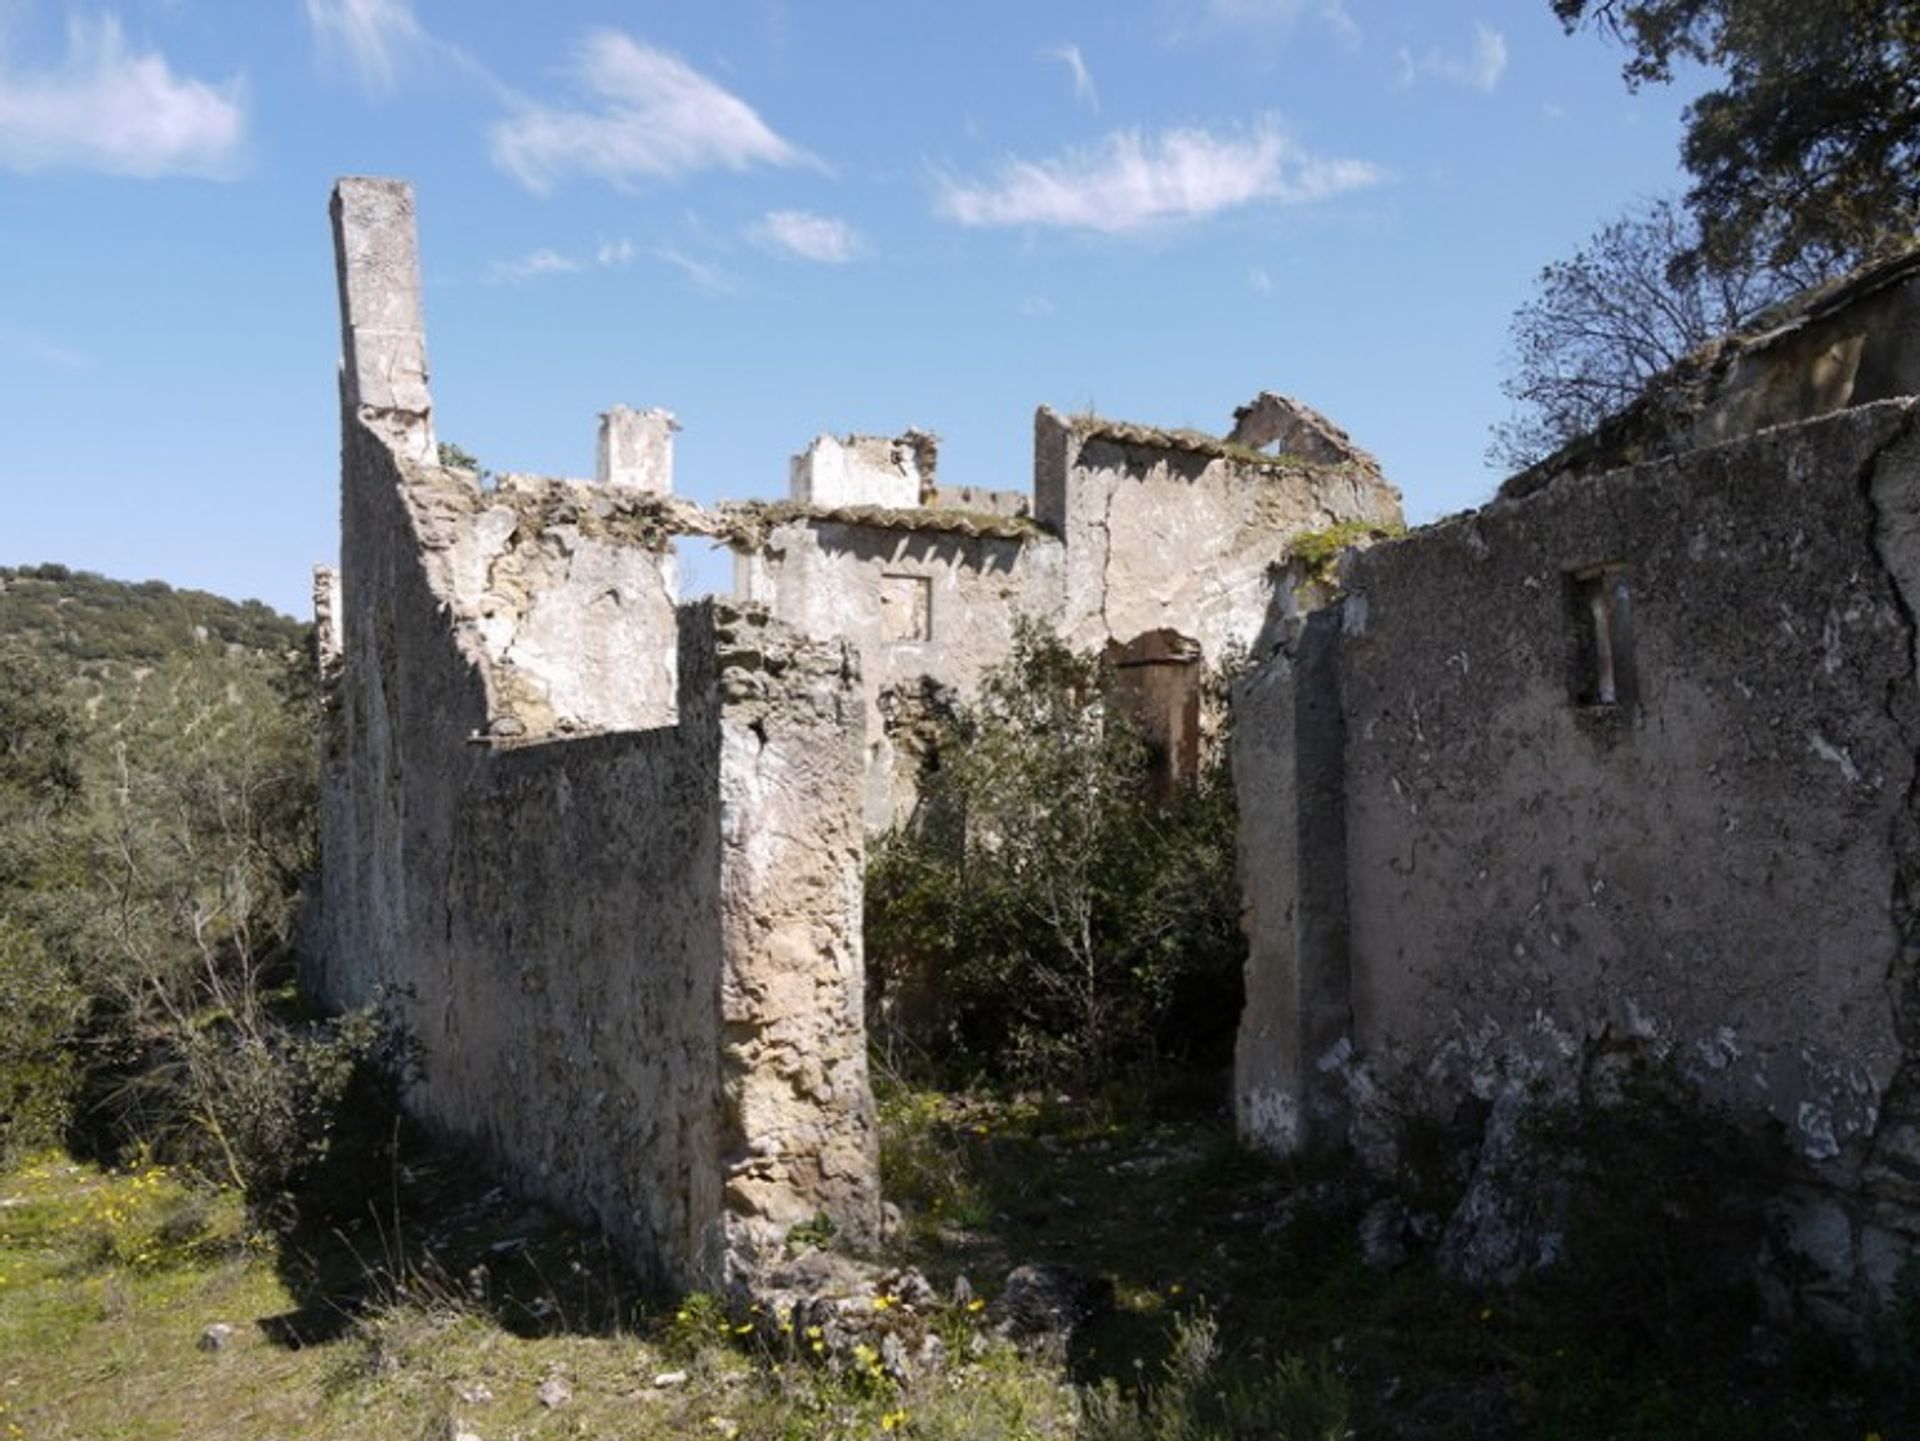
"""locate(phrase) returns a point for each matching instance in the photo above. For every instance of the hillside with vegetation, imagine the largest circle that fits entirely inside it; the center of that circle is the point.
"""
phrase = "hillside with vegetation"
(101, 626)
(156, 817)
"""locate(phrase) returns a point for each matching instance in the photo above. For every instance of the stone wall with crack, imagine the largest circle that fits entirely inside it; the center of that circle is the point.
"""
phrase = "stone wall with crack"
(1621, 769)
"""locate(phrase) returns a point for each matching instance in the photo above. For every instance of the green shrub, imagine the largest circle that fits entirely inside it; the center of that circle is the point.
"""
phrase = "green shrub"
(40, 1014)
(1294, 1400)
(151, 862)
(1043, 911)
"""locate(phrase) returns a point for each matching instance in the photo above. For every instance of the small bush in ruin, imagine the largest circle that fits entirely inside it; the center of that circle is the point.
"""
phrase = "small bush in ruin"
(1044, 912)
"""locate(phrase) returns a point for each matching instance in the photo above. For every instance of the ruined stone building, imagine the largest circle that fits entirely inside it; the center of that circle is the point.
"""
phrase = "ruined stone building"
(1618, 768)
(605, 852)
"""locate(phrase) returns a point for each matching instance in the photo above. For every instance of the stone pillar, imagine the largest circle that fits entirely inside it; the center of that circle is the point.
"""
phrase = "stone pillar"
(383, 337)
(636, 450)
(1289, 744)
(1056, 453)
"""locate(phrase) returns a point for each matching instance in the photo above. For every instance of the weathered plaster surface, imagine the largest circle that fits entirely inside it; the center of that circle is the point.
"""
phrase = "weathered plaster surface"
(864, 470)
(1288, 774)
(1135, 532)
(1174, 531)
(631, 960)
(383, 342)
(1715, 876)
(634, 450)
(917, 603)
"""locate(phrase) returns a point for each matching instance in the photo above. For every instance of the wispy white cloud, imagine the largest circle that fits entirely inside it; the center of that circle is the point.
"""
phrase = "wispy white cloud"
(374, 36)
(1129, 181)
(1037, 307)
(1259, 281)
(382, 39)
(642, 113)
(531, 266)
(1346, 29)
(113, 109)
(1084, 89)
(811, 237)
(702, 273)
(607, 255)
(1480, 69)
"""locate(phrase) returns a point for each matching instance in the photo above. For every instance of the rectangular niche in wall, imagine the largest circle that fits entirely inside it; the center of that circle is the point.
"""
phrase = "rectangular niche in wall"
(1600, 608)
(906, 607)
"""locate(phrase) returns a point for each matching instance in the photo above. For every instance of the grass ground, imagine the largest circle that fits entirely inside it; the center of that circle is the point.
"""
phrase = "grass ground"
(1642, 1339)
(449, 1312)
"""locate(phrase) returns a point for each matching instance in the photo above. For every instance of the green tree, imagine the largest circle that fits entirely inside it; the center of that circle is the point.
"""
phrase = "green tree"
(1812, 140)
(1056, 917)
(157, 819)
(41, 1006)
(198, 831)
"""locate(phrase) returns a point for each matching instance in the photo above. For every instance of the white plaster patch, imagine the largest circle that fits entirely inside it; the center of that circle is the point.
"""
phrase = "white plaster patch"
(1272, 1119)
(1719, 1050)
(1640, 1026)
(1815, 1124)
(1826, 750)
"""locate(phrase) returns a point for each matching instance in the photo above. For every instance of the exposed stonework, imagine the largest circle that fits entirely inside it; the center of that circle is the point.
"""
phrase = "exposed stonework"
(606, 853)
(631, 960)
(328, 641)
(1625, 766)
(1294, 429)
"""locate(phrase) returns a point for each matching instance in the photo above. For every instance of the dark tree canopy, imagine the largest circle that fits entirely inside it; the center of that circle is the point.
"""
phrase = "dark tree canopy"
(1812, 141)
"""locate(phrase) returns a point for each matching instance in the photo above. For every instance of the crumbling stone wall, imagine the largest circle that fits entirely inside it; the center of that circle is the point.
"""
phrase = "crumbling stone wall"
(1138, 535)
(625, 934)
(883, 470)
(1477, 869)
(1174, 530)
(928, 597)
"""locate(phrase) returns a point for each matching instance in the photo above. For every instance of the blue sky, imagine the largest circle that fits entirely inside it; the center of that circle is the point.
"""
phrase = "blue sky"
(773, 219)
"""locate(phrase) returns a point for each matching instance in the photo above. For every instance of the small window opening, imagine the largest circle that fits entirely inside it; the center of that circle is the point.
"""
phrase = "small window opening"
(1602, 614)
(702, 568)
